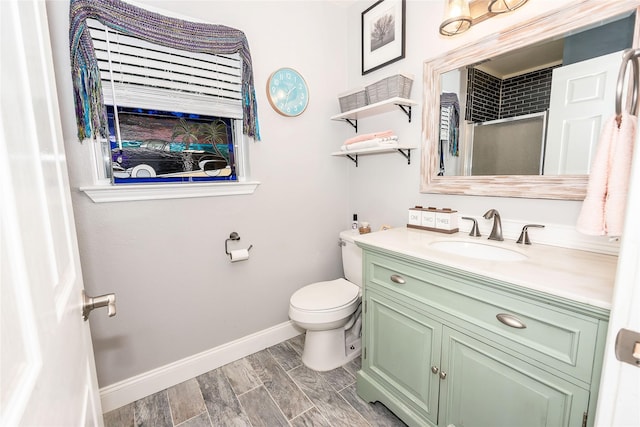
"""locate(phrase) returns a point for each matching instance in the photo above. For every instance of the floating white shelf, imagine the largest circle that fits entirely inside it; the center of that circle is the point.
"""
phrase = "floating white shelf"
(405, 150)
(387, 105)
(373, 109)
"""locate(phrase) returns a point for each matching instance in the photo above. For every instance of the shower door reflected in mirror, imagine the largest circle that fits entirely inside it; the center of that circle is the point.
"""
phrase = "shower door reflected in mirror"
(513, 146)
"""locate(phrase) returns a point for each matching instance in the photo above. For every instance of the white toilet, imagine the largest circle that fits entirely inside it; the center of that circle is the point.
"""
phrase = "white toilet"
(330, 312)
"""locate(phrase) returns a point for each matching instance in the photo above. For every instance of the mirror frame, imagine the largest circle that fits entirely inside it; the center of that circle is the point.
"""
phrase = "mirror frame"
(552, 24)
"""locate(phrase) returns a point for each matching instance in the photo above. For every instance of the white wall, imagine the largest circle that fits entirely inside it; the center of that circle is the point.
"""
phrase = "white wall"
(177, 292)
(383, 187)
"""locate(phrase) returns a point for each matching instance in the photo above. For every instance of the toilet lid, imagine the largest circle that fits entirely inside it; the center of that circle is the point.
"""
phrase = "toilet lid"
(325, 295)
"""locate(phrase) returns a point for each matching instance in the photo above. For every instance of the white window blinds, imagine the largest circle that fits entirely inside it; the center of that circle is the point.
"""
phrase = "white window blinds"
(139, 74)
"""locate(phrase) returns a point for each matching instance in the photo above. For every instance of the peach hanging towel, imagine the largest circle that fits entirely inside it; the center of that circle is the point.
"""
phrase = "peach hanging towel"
(603, 209)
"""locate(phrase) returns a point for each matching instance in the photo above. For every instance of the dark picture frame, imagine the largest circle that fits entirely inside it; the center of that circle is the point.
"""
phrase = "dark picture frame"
(382, 34)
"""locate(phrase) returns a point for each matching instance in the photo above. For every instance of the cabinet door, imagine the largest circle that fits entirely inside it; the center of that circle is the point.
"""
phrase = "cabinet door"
(402, 345)
(485, 387)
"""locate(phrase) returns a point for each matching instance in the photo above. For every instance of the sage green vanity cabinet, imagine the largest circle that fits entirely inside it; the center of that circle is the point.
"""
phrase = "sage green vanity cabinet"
(402, 346)
(435, 353)
(486, 387)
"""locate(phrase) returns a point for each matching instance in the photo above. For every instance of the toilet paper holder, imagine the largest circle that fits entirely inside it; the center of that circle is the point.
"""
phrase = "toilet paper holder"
(233, 236)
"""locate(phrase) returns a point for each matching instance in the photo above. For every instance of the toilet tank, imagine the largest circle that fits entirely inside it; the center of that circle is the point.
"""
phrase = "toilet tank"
(351, 258)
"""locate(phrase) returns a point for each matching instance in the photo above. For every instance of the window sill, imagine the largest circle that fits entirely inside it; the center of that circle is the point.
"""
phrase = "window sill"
(126, 193)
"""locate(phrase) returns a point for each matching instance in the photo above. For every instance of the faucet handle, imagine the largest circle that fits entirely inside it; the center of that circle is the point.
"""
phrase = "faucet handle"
(524, 235)
(475, 232)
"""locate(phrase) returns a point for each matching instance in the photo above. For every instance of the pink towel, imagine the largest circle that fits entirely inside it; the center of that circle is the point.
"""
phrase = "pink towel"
(617, 189)
(368, 136)
(370, 143)
(603, 208)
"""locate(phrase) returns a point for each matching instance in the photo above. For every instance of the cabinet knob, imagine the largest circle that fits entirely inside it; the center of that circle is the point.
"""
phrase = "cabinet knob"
(434, 369)
(443, 375)
(397, 279)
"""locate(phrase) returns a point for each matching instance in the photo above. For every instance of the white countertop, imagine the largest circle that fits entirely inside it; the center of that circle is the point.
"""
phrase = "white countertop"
(582, 276)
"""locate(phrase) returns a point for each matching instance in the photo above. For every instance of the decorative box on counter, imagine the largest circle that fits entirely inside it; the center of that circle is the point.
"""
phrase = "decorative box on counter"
(433, 219)
(352, 99)
(415, 216)
(447, 219)
(429, 217)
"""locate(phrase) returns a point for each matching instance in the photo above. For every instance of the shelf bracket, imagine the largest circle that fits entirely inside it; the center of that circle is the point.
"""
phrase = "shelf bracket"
(406, 109)
(353, 159)
(406, 155)
(352, 122)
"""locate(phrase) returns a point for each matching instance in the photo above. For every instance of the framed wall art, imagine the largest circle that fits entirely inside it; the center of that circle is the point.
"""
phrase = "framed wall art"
(383, 34)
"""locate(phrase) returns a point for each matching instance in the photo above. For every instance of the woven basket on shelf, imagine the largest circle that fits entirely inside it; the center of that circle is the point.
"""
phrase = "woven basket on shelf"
(353, 99)
(398, 85)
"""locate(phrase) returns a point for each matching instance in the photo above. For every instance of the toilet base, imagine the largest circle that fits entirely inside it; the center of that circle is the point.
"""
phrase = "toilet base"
(326, 350)
(353, 347)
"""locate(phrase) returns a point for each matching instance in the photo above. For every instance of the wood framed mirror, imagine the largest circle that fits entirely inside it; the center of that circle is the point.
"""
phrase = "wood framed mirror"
(572, 18)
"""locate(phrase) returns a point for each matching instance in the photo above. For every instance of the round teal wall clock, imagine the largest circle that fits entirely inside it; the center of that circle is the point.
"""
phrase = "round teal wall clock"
(287, 92)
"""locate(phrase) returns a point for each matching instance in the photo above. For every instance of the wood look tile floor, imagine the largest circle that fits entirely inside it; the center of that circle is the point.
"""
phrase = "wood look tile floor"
(270, 388)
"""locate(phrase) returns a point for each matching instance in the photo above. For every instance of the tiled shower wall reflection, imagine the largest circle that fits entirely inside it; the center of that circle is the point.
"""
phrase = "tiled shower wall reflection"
(492, 98)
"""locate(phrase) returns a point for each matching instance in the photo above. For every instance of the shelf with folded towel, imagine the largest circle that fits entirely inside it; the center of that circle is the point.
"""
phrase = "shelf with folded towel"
(405, 150)
(387, 105)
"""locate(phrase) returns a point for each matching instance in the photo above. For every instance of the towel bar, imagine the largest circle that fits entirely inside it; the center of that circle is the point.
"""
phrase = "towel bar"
(629, 55)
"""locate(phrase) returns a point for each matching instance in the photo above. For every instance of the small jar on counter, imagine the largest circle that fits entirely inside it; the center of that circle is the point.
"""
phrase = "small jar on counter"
(364, 229)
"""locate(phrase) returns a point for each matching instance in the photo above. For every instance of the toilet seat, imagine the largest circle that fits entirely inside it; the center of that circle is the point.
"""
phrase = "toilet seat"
(332, 295)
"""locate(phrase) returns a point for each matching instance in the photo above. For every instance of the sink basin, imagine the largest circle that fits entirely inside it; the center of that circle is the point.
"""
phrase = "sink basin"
(478, 250)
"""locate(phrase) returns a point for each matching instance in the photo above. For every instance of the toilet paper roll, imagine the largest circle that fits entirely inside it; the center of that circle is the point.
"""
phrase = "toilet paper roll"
(239, 255)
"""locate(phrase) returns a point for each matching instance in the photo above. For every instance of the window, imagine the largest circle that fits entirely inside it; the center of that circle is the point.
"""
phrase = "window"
(163, 101)
(172, 114)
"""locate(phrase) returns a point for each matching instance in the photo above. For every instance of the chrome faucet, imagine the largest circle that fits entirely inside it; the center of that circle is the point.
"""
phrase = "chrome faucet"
(496, 231)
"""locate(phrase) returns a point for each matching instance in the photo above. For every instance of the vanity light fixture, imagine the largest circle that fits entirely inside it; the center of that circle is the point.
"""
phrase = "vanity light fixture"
(460, 15)
(457, 18)
(502, 6)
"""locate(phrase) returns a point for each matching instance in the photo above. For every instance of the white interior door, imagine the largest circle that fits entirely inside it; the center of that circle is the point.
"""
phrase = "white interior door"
(619, 402)
(48, 372)
(582, 98)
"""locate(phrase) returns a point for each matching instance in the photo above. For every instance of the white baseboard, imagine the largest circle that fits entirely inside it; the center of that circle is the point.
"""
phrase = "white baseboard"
(134, 388)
